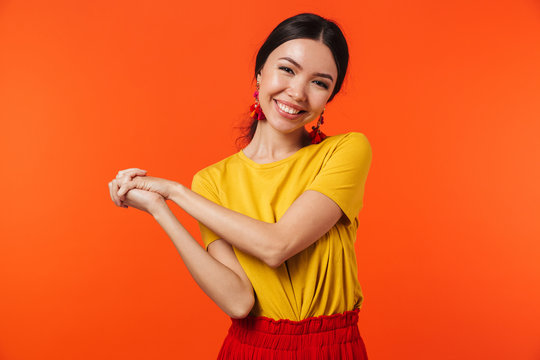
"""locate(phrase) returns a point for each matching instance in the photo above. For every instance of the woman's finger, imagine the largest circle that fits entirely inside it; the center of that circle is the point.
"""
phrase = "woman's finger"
(124, 188)
(115, 193)
(111, 191)
(127, 179)
(130, 169)
(122, 179)
(112, 196)
(131, 172)
(131, 175)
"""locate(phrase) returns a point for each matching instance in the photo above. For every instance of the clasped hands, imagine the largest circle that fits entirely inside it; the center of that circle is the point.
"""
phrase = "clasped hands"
(132, 187)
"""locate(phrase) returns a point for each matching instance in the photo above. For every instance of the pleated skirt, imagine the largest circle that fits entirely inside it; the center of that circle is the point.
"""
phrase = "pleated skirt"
(322, 337)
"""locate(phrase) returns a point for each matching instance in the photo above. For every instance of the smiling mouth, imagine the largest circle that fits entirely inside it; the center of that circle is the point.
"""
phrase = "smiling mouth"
(288, 109)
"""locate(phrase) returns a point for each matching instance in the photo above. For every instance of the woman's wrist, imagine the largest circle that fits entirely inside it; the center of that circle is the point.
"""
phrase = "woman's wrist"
(177, 193)
(158, 208)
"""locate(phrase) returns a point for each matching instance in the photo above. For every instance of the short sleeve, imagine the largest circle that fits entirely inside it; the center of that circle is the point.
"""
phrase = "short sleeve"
(343, 175)
(204, 187)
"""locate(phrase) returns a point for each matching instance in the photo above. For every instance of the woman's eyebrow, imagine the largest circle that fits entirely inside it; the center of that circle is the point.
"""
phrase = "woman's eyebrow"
(300, 67)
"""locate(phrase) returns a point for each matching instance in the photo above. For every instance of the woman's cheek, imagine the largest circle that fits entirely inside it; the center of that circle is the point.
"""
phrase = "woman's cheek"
(278, 83)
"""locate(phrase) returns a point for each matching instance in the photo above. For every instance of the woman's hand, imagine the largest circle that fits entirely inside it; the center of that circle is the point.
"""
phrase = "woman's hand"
(135, 179)
(161, 186)
(144, 200)
(123, 176)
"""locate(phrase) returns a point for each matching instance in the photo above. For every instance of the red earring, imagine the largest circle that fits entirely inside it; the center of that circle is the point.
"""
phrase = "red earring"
(255, 108)
(316, 134)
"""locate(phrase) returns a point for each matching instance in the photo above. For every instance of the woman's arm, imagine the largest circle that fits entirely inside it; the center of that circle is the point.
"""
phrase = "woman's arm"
(336, 191)
(217, 271)
(310, 216)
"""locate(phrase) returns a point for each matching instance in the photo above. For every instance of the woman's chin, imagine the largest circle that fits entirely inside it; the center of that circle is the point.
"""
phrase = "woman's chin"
(286, 126)
(287, 130)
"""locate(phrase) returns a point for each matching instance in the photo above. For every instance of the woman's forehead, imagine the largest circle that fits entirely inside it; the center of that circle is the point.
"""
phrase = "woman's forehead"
(308, 53)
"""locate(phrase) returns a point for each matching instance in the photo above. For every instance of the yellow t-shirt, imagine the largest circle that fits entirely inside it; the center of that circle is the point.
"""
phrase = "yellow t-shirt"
(322, 279)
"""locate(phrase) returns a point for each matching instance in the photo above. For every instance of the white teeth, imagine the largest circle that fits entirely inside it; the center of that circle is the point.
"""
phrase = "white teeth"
(287, 109)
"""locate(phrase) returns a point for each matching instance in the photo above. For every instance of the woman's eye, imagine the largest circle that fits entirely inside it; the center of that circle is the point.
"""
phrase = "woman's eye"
(286, 69)
(320, 83)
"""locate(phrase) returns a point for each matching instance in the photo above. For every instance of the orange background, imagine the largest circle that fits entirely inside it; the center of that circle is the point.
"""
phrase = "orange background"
(447, 93)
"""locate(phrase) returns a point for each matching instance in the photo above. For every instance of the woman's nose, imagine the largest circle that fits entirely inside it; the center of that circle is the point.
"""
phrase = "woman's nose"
(297, 91)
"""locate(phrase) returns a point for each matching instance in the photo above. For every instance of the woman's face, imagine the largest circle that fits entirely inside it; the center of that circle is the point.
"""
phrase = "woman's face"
(295, 83)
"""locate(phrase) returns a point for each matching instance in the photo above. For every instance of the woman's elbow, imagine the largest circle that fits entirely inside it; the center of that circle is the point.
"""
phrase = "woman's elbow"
(242, 308)
(239, 314)
(274, 262)
(275, 256)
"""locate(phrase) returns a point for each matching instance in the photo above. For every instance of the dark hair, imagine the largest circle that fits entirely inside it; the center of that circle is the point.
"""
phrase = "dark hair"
(303, 26)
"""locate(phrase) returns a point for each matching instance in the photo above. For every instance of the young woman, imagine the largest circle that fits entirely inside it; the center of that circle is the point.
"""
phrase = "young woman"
(279, 217)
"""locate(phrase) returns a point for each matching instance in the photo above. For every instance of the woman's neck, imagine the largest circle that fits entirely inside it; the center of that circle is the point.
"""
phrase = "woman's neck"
(269, 145)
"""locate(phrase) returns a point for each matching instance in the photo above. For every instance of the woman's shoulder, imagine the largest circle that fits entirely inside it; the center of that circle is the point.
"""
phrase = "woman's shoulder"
(217, 168)
(350, 134)
(354, 138)
(348, 147)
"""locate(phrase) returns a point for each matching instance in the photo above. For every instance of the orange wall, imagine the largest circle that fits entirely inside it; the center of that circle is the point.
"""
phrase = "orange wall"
(448, 94)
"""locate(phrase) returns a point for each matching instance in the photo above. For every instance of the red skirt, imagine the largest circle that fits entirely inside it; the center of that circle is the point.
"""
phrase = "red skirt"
(322, 337)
